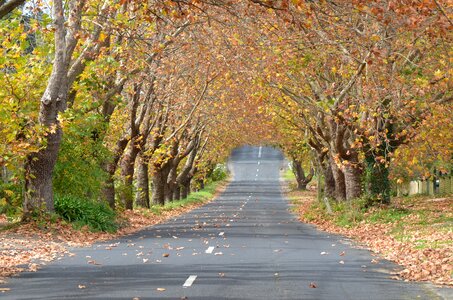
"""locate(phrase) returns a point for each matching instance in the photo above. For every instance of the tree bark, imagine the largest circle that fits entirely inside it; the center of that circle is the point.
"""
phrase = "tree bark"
(329, 182)
(142, 195)
(299, 172)
(185, 188)
(40, 165)
(9, 6)
(127, 175)
(353, 178)
(38, 176)
(108, 191)
(177, 193)
(340, 184)
(159, 180)
(171, 182)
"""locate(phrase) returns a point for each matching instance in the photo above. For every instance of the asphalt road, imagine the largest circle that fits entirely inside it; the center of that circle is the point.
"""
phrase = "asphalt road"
(244, 245)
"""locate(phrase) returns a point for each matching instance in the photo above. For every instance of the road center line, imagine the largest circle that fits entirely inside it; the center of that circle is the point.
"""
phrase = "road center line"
(189, 280)
(209, 250)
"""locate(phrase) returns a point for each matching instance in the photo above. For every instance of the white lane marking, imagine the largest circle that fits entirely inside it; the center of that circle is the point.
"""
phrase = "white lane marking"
(259, 163)
(256, 175)
(222, 233)
(257, 170)
(209, 250)
(189, 280)
(259, 152)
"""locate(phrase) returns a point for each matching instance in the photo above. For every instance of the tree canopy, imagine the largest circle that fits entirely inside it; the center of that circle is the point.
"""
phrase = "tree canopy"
(134, 103)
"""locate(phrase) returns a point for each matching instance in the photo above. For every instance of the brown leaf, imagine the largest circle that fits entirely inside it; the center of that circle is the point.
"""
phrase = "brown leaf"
(4, 289)
(165, 255)
(312, 285)
(81, 286)
(161, 289)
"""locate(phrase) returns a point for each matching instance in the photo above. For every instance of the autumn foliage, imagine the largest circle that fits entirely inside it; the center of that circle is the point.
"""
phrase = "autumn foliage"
(136, 103)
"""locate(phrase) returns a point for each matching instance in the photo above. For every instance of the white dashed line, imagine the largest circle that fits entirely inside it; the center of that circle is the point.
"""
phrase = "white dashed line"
(189, 280)
(259, 152)
(259, 163)
(257, 170)
(209, 250)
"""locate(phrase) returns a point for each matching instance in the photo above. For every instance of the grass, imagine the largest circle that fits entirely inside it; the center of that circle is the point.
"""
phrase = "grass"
(201, 196)
(409, 219)
(288, 175)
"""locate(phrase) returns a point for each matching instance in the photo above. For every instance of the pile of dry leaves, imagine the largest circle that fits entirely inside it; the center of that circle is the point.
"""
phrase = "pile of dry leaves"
(423, 248)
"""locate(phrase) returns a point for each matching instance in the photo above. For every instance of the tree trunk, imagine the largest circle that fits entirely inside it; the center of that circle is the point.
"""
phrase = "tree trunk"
(201, 183)
(299, 172)
(171, 184)
(329, 182)
(142, 195)
(353, 178)
(38, 176)
(185, 189)
(108, 191)
(127, 175)
(340, 184)
(177, 193)
(160, 184)
(377, 181)
(39, 166)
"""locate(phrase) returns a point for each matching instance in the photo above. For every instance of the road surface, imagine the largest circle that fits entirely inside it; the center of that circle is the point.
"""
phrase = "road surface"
(244, 245)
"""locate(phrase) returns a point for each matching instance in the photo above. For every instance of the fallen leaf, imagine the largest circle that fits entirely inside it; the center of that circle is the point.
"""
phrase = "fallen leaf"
(145, 260)
(81, 286)
(312, 285)
(222, 274)
(341, 262)
(165, 255)
(4, 289)
(342, 253)
(161, 289)
(323, 253)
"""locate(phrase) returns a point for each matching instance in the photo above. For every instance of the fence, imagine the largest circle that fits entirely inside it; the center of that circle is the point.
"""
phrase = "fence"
(438, 186)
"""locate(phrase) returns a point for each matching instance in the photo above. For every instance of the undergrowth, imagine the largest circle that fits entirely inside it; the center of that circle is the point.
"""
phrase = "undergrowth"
(97, 216)
(196, 197)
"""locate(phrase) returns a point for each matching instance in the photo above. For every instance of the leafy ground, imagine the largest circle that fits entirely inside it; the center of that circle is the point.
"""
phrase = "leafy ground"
(415, 232)
(26, 247)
